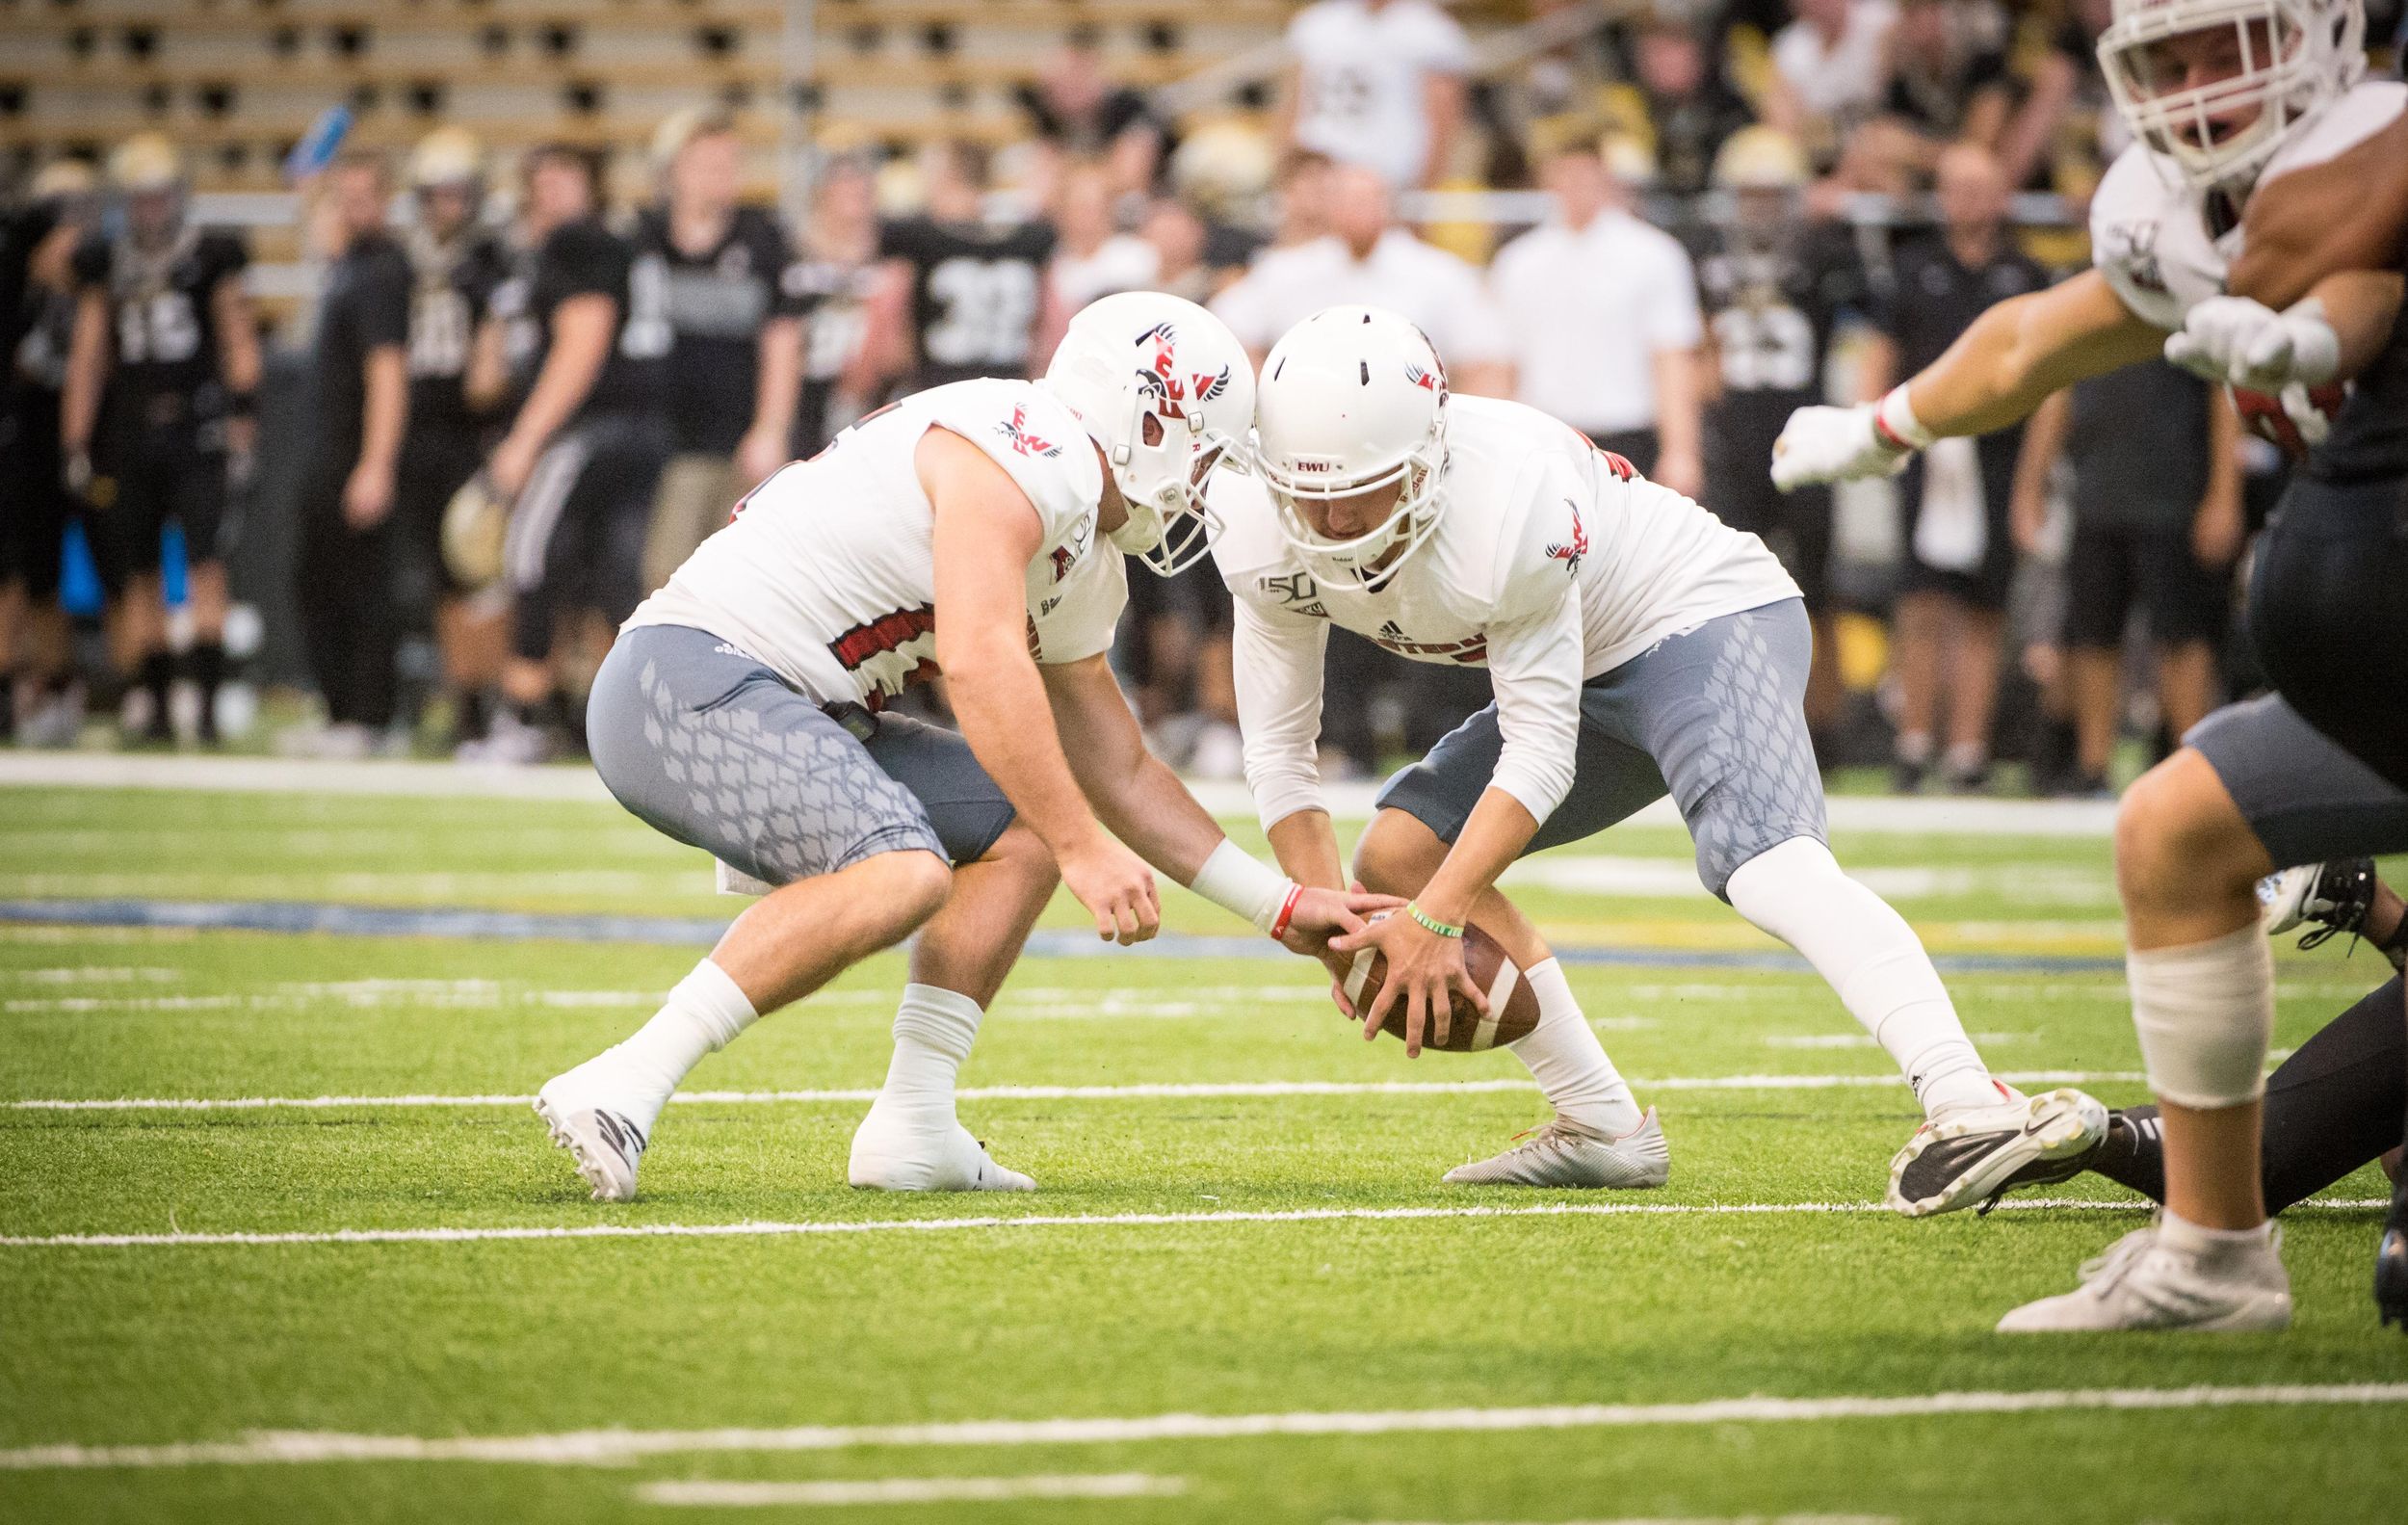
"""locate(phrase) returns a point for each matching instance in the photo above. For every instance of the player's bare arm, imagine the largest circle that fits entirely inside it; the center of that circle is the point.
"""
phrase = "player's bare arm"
(583, 328)
(986, 533)
(1143, 802)
(87, 373)
(238, 356)
(2000, 369)
(2348, 213)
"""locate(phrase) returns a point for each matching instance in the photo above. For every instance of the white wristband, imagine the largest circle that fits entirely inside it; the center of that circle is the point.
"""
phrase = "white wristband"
(1897, 421)
(1243, 885)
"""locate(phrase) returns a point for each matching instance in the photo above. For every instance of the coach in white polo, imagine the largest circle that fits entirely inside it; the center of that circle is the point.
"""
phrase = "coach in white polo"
(1601, 322)
(1377, 83)
(1366, 259)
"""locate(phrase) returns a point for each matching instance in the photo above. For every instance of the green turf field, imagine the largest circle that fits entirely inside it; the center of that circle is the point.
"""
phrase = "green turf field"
(1241, 1295)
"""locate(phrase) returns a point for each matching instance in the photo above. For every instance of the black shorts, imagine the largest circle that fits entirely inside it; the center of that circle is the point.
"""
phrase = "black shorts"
(2328, 599)
(1981, 585)
(143, 477)
(433, 466)
(34, 502)
(1796, 525)
(577, 531)
(2114, 569)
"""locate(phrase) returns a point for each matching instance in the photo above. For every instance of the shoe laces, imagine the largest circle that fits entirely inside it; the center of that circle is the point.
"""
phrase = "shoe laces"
(2101, 1273)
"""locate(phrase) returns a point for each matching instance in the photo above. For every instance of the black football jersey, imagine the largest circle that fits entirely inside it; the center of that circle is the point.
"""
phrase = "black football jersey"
(1772, 311)
(452, 288)
(162, 322)
(578, 259)
(975, 291)
(715, 304)
(832, 296)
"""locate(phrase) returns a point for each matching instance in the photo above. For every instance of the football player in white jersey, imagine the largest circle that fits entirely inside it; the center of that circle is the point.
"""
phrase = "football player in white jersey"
(739, 712)
(2251, 232)
(1638, 648)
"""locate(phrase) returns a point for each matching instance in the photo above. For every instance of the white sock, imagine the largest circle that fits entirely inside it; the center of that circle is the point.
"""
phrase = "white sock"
(1868, 953)
(1569, 1064)
(2209, 1243)
(705, 1013)
(933, 1030)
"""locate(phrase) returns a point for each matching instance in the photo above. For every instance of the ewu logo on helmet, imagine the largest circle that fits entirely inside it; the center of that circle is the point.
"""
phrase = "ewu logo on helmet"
(1162, 380)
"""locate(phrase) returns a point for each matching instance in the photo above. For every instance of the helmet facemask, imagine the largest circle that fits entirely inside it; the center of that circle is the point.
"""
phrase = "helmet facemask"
(1161, 466)
(2286, 58)
(1370, 558)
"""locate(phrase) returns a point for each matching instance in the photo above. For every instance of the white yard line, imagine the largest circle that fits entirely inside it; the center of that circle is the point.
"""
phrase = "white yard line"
(911, 1491)
(1683, 1519)
(2022, 818)
(1166, 1090)
(179, 1239)
(618, 1447)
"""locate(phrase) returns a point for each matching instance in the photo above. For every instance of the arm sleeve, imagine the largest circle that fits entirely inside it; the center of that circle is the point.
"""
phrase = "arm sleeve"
(1672, 320)
(1278, 662)
(225, 254)
(385, 306)
(1535, 663)
(91, 261)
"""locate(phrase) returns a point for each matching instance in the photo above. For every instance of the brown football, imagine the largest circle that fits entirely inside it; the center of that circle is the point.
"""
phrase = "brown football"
(1512, 1006)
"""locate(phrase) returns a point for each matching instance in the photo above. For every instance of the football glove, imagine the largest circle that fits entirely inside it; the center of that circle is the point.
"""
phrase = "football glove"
(2249, 345)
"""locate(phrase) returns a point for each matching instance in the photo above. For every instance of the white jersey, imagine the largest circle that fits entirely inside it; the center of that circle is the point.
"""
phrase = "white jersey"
(1552, 563)
(1359, 80)
(2149, 231)
(827, 573)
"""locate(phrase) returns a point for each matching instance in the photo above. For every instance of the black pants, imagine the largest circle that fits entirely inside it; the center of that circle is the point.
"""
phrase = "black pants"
(343, 581)
(2327, 604)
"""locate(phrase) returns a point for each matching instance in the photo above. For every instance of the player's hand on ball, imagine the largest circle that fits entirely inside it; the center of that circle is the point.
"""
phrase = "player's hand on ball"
(1832, 444)
(1322, 914)
(2249, 345)
(1116, 887)
(1424, 970)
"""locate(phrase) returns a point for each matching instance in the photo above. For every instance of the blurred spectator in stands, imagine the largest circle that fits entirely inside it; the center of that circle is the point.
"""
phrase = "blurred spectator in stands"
(1948, 82)
(1955, 497)
(2065, 84)
(1601, 323)
(2155, 455)
(1829, 70)
(1367, 257)
(359, 384)
(1302, 192)
(835, 269)
(1690, 106)
(1081, 113)
(37, 326)
(963, 295)
(456, 265)
(735, 345)
(1776, 286)
(1093, 257)
(1379, 83)
(1185, 262)
(582, 345)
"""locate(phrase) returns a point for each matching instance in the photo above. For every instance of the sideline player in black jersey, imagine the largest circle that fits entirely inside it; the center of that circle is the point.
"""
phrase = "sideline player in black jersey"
(455, 264)
(37, 320)
(735, 348)
(831, 284)
(583, 344)
(1775, 287)
(360, 381)
(964, 297)
(158, 420)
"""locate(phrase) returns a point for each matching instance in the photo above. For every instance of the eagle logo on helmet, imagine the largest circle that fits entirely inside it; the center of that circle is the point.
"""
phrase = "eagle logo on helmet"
(1161, 379)
(1428, 381)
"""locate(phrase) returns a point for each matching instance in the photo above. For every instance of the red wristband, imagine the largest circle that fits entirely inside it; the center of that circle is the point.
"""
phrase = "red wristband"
(1287, 909)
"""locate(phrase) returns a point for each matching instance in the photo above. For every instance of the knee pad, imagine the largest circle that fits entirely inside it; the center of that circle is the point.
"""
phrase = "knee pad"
(2205, 1014)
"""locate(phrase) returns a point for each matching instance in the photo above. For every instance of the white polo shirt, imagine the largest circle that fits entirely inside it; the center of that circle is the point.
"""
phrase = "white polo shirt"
(1586, 314)
(1359, 80)
(1438, 292)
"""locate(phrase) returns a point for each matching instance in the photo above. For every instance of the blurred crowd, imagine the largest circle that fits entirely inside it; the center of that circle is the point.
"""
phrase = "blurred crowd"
(525, 405)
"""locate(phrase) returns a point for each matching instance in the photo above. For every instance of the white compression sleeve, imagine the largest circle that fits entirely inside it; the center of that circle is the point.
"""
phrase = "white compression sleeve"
(2205, 1014)
(1868, 953)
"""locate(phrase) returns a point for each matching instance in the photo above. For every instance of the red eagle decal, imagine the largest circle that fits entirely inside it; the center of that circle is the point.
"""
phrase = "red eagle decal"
(1016, 430)
(1428, 381)
(1570, 554)
(1161, 377)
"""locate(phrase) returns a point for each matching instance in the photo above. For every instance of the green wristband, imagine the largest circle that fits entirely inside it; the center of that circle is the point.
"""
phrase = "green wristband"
(1431, 923)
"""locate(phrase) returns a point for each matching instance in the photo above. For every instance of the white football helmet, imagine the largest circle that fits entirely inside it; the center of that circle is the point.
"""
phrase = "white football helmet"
(1353, 399)
(1143, 363)
(2181, 70)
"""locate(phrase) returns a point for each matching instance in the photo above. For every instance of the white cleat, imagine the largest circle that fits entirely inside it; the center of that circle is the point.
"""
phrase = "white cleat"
(604, 1126)
(1559, 1153)
(891, 1153)
(2145, 1283)
(1970, 1156)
